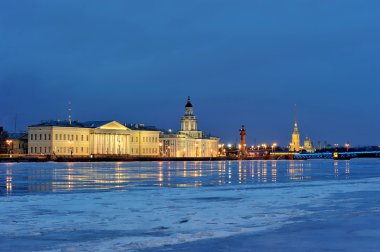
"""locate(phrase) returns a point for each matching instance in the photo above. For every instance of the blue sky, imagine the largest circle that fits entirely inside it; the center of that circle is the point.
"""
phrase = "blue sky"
(242, 62)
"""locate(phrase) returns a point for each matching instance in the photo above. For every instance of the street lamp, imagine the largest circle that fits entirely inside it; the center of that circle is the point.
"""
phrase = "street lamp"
(10, 145)
(273, 146)
(168, 151)
(71, 148)
(160, 144)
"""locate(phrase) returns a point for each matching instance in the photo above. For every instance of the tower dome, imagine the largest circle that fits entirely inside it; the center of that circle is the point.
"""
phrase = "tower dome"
(188, 104)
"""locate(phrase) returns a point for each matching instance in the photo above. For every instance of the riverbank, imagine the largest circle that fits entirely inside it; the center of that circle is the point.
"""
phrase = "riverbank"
(112, 158)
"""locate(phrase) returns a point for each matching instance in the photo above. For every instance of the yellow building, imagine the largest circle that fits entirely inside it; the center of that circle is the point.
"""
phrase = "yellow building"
(189, 141)
(144, 141)
(66, 138)
(308, 145)
(17, 143)
(295, 144)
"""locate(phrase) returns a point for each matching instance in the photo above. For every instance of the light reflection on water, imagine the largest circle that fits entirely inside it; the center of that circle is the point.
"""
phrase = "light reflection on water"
(21, 178)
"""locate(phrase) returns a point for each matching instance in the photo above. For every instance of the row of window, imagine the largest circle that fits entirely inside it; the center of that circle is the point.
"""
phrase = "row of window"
(41, 137)
(71, 137)
(69, 150)
(58, 137)
(40, 150)
(145, 139)
(144, 151)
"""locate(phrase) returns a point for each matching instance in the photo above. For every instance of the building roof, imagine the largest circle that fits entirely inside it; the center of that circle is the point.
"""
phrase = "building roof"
(95, 124)
(188, 104)
(58, 124)
(139, 126)
(92, 124)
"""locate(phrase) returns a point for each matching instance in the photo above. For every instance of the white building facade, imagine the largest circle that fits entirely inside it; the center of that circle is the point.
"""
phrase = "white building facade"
(65, 138)
(189, 141)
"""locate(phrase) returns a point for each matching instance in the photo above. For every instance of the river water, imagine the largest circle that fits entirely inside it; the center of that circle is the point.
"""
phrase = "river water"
(127, 206)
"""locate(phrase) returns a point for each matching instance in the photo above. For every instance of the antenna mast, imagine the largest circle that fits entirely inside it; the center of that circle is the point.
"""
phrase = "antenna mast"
(69, 109)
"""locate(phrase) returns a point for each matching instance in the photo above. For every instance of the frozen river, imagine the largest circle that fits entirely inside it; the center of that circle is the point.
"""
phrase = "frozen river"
(191, 206)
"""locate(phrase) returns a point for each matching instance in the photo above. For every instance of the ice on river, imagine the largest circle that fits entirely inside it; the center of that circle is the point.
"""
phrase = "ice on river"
(148, 215)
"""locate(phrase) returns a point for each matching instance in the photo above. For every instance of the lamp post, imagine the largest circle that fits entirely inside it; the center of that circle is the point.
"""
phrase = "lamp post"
(160, 149)
(196, 150)
(273, 147)
(71, 148)
(10, 145)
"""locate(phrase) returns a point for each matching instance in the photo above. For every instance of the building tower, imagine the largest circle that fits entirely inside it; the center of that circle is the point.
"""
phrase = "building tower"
(189, 124)
(295, 144)
(243, 143)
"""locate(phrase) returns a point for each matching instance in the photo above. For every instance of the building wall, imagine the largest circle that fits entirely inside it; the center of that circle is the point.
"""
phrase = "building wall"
(144, 143)
(18, 146)
(39, 140)
(295, 144)
(59, 140)
(77, 141)
(109, 143)
(184, 146)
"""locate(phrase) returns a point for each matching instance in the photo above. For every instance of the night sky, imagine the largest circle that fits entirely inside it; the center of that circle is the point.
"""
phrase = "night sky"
(242, 62)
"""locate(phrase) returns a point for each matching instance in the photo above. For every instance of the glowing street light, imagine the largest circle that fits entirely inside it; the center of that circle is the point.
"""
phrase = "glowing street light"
(273, 146)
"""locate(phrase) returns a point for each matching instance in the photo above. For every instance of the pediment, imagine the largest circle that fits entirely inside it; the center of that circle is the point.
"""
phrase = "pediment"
(114, 125)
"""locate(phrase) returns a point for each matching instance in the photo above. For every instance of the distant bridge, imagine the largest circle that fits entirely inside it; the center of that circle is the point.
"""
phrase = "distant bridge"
(325, 155)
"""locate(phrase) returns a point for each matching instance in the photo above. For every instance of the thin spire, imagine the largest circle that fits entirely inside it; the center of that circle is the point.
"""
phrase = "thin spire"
(69, 110)
(295, 113)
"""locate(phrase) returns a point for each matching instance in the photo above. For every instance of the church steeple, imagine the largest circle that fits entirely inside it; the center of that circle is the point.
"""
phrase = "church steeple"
(188, 104)
(188, 107)
(295, 144)
(189, 121)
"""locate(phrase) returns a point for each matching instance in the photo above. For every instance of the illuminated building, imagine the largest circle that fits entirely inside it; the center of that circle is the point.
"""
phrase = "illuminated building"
(295, 144)
(308, 145)
(243, 143)
(72, 138)
(189, 141)
(17, 143)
